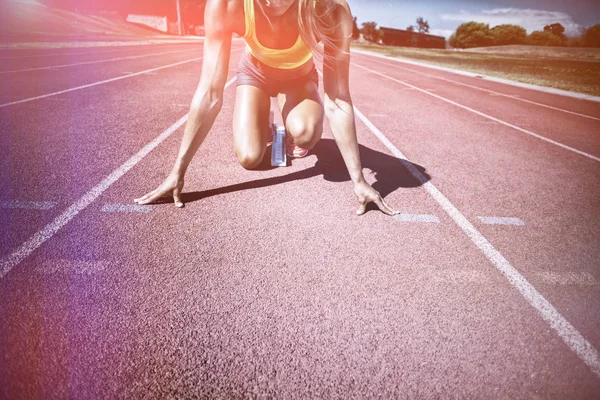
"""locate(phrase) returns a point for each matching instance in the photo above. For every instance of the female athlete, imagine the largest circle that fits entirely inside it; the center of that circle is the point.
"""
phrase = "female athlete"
(281, 38)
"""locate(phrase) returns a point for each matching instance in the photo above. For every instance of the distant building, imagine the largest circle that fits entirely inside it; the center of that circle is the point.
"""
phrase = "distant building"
(399, 37)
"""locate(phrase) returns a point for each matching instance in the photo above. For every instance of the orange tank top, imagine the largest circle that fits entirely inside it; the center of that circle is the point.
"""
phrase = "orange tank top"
(290, 58)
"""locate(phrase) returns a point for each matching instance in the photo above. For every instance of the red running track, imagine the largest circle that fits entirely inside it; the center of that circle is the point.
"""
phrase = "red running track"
(266, 284)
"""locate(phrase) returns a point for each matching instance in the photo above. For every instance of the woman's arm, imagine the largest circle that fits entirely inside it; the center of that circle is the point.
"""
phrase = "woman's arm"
(207, 101)
(340, 111)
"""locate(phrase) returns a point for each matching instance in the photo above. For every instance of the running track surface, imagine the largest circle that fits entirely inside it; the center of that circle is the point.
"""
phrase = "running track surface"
(266, 284)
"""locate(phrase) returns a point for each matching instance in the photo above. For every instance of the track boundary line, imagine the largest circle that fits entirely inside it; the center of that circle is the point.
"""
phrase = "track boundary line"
(7, 263)
(544, 89)
(490, 91)
(567, 332)
(101, 82)
(482, 114)
(90, 62)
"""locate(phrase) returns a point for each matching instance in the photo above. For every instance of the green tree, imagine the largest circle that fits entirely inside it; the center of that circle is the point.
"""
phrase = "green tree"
(422, 25)
(591, 37)
(544, 38)
(472, 34)
(355, 30)
(558, 30)
(370, 31)
(509, 34)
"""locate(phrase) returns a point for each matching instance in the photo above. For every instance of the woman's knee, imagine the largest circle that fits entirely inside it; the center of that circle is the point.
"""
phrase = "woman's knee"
(306, 133)
(249, 158)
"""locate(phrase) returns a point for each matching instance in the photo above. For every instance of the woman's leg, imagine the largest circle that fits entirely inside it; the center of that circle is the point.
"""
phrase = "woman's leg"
(302, 111)
(250, 125)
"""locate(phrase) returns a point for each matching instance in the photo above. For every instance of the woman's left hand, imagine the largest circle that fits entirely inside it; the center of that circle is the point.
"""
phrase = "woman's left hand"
(366, 194)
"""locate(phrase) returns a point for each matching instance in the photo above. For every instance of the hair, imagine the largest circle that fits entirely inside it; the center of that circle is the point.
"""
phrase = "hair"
(317, 25)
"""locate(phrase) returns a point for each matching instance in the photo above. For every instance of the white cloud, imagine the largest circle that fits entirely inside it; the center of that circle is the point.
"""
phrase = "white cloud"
(531, 20)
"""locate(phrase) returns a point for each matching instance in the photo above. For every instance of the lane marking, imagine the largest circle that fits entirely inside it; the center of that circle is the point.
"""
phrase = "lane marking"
(378, 115)
(568, 278)
(417, 218)
(483, 115)
(64, 266)
(567, 332)
(491, 92)
(101, 82)
(501, 221)
(96, 83)
(33, 205)
(92, 62)
(37, 239)
(125, 208)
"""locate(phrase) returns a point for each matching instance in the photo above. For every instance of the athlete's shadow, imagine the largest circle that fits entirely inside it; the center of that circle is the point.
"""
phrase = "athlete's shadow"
(390, 172)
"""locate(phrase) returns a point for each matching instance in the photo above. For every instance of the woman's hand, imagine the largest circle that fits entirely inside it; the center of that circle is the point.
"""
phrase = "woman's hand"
(172, 186)
(366, 194)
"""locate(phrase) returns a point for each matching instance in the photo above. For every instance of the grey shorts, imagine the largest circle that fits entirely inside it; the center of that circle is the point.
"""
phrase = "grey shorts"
(252, 72)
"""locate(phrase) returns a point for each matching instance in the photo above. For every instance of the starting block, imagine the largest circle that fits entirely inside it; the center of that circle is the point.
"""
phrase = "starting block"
(278, 154)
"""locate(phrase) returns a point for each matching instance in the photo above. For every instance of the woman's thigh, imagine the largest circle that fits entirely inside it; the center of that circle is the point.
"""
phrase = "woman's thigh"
(302, 111)
(250, 125)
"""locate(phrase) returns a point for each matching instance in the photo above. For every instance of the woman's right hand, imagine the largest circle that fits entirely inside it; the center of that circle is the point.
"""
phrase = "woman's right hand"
(172, 186)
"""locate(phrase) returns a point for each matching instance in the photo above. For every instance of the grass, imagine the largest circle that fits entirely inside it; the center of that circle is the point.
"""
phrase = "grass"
(572, 69)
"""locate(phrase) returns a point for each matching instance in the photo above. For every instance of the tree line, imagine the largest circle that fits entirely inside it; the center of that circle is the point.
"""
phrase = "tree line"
(477, 34)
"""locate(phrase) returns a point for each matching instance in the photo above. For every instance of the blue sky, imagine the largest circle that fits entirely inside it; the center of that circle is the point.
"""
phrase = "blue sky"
(445, 15)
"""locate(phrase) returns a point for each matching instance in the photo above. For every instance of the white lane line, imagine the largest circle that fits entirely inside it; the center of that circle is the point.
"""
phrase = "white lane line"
(97, 83)
(92, 62)
(34, 205)
(417, 218)
(501, 221)
(483, 115)
(101, 82)
(576, 342)
(125, 208)
(37, 239)
(568, 278)
(491, 92)
(78, 267)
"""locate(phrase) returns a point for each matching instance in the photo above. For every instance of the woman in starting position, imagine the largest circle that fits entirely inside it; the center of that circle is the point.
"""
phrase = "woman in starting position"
(281, 38)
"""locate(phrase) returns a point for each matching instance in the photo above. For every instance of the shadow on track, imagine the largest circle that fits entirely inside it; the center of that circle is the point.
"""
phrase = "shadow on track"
(390, 172)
